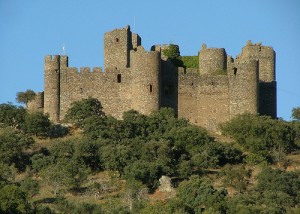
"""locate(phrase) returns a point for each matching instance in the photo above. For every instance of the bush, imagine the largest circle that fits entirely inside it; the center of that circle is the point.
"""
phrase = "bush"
(260, 135)
(235, 176)
(198, 194)
(37, 124)
(25, 97)
(13, 144)
(275, 180)
(11, 115)
(190, 61)
(83, 109)
(13, 200)
(57, 130)
(296, 113)
(172, 51)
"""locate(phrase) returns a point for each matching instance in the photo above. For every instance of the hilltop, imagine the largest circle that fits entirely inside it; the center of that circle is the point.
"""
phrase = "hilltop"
(146, 164)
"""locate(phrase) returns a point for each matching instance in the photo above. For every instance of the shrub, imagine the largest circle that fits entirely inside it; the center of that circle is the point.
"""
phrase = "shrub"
(37, 124)
(11, 115)
(83, 109)
(25, 97)
(260, 135)
(190, 61)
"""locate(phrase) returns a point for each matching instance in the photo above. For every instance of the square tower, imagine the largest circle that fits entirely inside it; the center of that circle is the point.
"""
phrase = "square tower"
(117, 46)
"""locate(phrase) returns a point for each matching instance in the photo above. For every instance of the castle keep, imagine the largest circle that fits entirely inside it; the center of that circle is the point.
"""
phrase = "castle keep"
(134, 78)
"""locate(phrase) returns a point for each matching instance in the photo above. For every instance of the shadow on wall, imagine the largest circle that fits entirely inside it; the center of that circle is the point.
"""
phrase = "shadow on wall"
(169, 85)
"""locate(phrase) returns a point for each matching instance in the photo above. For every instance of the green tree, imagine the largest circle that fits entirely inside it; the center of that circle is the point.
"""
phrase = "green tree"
(135, 124)
(65, 173)
(13, 200)
(296, 113)
(235, 176)
(37, 124)
(41, 160)
(172, 206)
(115, 157)
(160, 153)
(277, 181)
(134, 193)
(95, 127)
(188, 138)
(146, 172)
(7, 173)
(172, 51)
(255, 202)
(83, 109)
(30, 187)
(185, 168)
(63, 149)
(89, 153)
(160, 123)
(11, 115)
(260, 135)
(13, 143)
(199, 195)
(25, 97)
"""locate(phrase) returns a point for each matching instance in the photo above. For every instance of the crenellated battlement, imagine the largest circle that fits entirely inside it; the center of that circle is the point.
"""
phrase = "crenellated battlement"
(51, 58)
(134, 78)
(85, 70)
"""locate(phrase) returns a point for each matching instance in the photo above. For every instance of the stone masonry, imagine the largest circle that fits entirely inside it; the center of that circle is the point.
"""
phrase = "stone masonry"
(134, 78)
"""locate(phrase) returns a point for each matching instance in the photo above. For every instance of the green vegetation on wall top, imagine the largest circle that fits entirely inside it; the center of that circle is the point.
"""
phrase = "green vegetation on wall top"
(173, 53)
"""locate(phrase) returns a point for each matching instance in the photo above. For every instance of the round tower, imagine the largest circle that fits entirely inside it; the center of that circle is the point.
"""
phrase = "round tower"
(212, 60)
(52, 87)
(243, 88)
(146, 80)
(266, 57)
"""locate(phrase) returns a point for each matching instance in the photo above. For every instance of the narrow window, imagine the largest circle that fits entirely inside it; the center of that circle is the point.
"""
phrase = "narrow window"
(119, 78)
(150, 87)
(117, 39)
(234, 71)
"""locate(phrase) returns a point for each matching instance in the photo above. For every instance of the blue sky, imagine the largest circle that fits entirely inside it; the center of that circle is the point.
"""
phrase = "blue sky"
(31, 29)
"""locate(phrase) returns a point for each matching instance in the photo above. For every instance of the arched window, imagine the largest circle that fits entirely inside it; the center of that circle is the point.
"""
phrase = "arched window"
(119, 78)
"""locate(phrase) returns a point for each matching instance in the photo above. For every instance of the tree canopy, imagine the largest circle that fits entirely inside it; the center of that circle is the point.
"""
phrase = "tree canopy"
(83, 109)
(11, 115)
(296, 113)
(25, 97)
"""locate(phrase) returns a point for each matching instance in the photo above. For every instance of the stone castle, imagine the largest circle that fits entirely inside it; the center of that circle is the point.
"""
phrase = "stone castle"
(134, 78)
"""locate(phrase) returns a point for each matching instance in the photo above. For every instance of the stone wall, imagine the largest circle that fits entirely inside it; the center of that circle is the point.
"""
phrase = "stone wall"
(112, 88)
(203, 100)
